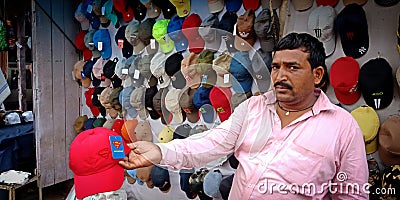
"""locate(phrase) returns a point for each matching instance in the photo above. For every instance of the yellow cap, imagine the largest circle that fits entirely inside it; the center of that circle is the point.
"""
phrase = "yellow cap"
(166, 134)
(368, 121)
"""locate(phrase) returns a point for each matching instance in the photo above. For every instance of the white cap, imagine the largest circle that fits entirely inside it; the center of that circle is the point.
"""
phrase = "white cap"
(157, 68)
(320, 25)
(12, 118)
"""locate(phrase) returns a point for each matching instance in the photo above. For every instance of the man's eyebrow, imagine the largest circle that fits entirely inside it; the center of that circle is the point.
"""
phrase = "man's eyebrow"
(286, 63)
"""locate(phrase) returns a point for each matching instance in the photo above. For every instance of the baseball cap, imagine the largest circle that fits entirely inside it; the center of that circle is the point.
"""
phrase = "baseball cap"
(143, 131)
(117, 127)
(150, 93)
(239, 67)
(387, 3)
(233, 5)
(198, 129)
(261, 64)
(88, 99)
(109, 123)
(226, 27)
(110, 12)
(126, 103)
(103, 36)
(166, 134)
(221, 67)
(186, 103)
(184, 175)
(351, 24)
(204, 61)
(182, 7)
(174, 30)
(114, 99)
(245, 34)
(379, 92)
(209, 32)
(122, 7)
(201, 96)
(238, 98)
(321, 25)
(172, 104)
(144, 66)
(190, 28)
(88, 124)
(138, 101)
(99, 122)
(97, 69)
(131, 35)
(157, 68)
(344, 79)
(121, 64)
(96, 102)
(182, 131)
(196, 181)
(211, 183)
(109, 68)
(266, 29)
(389, 135)
(78, 71)
(168, 9)
(93, 19)
(153, 11)
(158, 103)
(225, 186)
(173, 64)
(123, 43)
(220, 100)
(208, 113)
(251, 4)
(327, 2)
(145, 30)
(178, 80)
(139, 10)
(161, 36)
(134, 73)
(275, 4)
(27, 116)
(94, 145)
(144, 174)
(215, 6)
(189, 71)
(90, 45)
(128, 130)
(358, 2)
(78, 124)
(160, 178)
(81, 18)
(302, 5)
(368, 121)
(80, 45)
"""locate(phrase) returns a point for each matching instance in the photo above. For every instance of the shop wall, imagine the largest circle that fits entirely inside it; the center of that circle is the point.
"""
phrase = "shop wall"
(56, 95)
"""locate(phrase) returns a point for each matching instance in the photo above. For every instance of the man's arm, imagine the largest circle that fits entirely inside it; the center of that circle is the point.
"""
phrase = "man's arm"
(352, 174)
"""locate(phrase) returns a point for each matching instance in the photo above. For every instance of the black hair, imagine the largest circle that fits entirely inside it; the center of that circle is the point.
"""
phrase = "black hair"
(311, 45)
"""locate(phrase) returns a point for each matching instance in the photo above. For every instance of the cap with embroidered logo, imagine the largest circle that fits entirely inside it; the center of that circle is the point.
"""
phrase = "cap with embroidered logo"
(321, 25)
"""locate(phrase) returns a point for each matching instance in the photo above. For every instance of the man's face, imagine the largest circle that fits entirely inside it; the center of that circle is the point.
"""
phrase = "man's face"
(292, 76)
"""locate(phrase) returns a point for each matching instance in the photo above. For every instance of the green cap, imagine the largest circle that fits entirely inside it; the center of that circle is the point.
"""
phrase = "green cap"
(98, 122)
(204, 62)
(110, 13)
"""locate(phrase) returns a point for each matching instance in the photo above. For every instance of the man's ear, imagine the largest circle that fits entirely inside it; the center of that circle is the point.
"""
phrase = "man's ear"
(318, 73)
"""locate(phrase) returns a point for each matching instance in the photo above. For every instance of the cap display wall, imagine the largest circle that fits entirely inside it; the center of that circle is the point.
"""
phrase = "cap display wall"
(382, 42)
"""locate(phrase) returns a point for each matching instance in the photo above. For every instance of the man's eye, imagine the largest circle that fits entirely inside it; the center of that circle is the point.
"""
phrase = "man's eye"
(293, 67)
(275, 66)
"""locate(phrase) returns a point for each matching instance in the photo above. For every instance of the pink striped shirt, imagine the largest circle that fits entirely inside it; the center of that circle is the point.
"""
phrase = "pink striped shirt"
(318, 155)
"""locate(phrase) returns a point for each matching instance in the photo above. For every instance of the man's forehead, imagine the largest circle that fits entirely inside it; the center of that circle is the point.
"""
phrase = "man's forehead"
(289, 55)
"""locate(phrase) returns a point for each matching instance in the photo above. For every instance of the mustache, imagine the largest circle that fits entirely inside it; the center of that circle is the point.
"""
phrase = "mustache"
(283, 84)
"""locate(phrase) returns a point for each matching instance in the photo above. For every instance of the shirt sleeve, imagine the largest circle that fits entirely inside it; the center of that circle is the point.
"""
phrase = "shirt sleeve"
(202, 148)
(351, 178)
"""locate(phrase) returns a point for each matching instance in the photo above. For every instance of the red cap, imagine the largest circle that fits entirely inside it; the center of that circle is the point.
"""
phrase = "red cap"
(221, 101)
(124, 9)
(95, 171)
(251, 4)
(88, 97)
(190, 28)
(344, 79)
(327, 2)
(117, 126)
(128, 130)
(80, 44)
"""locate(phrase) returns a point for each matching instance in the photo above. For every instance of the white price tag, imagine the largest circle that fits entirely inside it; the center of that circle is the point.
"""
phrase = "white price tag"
(152, 43)
(89, 8)
(136, 74)
(125, 71)
(226, 78)
(99, 46)
(103, 10)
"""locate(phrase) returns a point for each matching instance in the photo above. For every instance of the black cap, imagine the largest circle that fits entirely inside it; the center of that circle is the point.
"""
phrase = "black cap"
(168, 9)
(96, 101)
(184, 175)
(109, 68)
(127, 49)
(150, 93)
(173, 64)
(182, 131)
(160, 178)
(352, 26)
(225, 186)
(387, 3)
(139, 10)
(376, 83)
(178, 80)
(226, 26)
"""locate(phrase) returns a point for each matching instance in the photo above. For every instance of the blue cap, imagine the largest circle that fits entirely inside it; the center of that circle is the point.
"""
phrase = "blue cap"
(87, 69)
(239, 68)
(174, 31)
(160, 178)
(184, 182)
(211, 183)
(102, 35)
(201, 96)
(233, 5)
(88, 124)
(208, 113)
(93, 19)
(132, 173)
(125, 101)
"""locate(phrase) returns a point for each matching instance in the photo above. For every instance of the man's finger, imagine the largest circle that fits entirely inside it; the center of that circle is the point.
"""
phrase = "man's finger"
(127, 165)
(131, 145)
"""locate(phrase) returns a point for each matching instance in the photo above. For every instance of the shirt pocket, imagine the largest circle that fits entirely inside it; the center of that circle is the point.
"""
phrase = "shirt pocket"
(301, 165)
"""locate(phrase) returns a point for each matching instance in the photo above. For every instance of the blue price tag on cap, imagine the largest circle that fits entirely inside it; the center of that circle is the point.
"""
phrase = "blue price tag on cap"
(117, 147)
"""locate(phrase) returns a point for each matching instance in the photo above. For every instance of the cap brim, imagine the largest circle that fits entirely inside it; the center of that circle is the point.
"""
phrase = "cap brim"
(220, 82)
(167, 81)
(330, 46)
(216, 6)
(262, 85)
(241, 44)
(372, 146)
(387, 158)
(194, 82)
(177, 117)
(347, 98)
(110, 179)
(242, 86)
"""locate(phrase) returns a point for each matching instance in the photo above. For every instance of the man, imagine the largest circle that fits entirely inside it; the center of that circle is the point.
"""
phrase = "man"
(291, 142)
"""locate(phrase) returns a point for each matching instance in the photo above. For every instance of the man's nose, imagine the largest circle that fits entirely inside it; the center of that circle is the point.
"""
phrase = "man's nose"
(281, 75)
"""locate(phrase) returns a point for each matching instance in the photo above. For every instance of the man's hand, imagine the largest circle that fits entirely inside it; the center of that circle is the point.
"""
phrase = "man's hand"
(143, 154)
